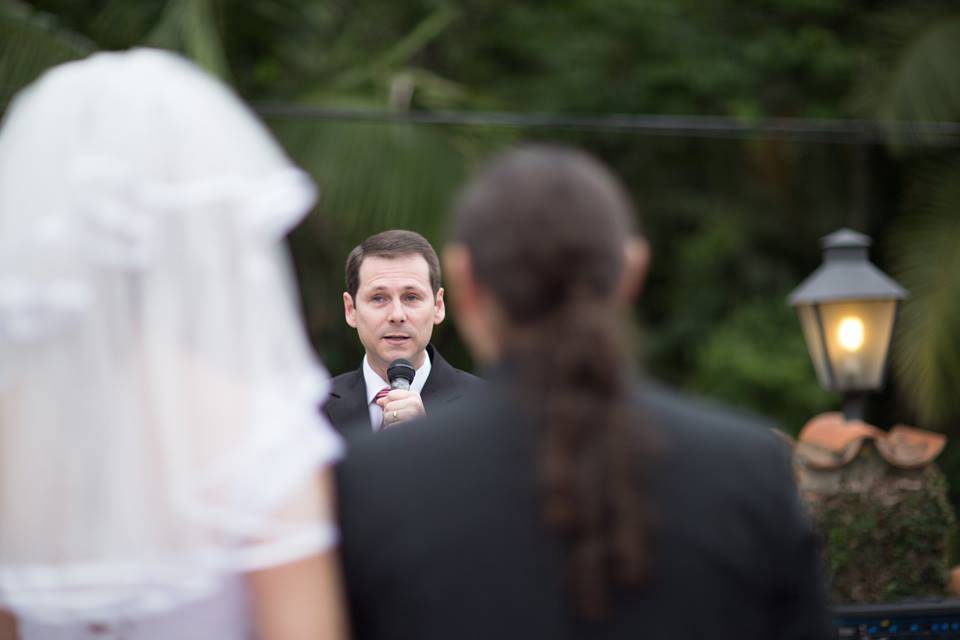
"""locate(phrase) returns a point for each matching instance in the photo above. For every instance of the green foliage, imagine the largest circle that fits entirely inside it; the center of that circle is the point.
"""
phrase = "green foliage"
(661, 57)
(757, 358)
(719, 251)
(887, 531)
(734, 223)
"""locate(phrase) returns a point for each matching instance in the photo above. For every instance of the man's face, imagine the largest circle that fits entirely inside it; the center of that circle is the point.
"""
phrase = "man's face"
(395, 309)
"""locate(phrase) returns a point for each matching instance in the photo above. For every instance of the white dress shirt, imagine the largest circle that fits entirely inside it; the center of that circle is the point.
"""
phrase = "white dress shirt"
(374, 383)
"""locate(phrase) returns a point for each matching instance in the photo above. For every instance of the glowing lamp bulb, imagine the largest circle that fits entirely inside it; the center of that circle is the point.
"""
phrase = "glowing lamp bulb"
(850, 333)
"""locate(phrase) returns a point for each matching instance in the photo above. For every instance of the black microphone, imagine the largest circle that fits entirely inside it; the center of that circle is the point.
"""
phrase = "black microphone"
(400, 373)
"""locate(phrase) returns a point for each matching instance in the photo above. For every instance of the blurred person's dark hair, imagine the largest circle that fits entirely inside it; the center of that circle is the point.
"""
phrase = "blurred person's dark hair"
(392, 243)
(546, 229)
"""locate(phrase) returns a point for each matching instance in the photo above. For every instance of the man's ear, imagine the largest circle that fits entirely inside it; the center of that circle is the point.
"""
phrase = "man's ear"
(458, 270)
(440, 309)
(476, 312)
(349, 310)
(636, 261)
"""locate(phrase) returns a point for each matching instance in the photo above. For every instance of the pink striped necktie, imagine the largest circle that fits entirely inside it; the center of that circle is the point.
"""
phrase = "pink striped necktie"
(379, 395)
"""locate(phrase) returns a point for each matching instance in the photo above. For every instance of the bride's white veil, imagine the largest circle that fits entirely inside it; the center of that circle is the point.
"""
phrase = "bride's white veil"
(159, 422)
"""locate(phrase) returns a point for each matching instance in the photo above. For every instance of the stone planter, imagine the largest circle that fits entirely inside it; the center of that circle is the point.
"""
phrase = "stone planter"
(881, 506)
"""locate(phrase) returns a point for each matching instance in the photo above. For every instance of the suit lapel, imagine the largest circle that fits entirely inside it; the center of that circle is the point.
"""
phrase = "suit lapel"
(347, 407)
(441, 386)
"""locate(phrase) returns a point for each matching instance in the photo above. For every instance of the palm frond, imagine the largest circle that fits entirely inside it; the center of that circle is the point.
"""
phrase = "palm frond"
(190, 26)
(389, 61)
(374, 175)
(926, 352)
(924, 84)
(419, 37)
(31, 42)
(121, 24)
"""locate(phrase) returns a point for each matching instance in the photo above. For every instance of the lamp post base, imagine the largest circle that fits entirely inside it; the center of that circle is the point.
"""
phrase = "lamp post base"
(854, 405)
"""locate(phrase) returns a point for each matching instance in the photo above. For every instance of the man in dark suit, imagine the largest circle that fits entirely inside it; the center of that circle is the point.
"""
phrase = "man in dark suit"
(440, 537)
(394, 298)
(568, 499)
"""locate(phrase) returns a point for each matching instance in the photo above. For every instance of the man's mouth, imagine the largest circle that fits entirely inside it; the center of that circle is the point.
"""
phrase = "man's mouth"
(396, 338)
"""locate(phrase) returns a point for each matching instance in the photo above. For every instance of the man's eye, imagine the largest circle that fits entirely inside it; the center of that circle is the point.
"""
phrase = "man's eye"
(411, 297)
(377, 299)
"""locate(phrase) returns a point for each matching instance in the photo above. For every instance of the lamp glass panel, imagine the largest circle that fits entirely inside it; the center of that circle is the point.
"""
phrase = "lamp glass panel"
(857, 337)
(811, 334)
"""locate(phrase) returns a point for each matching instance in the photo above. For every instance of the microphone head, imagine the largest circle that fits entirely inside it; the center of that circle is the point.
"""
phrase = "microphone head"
(401, 369)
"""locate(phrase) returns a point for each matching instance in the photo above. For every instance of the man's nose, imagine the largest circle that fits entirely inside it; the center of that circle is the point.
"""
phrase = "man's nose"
(396, 312)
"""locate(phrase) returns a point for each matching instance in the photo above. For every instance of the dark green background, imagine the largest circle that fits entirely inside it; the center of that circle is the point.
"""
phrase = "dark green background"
(734, 221)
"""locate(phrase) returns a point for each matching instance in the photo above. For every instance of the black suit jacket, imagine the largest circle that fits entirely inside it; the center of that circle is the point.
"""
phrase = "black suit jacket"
(347, 407)
(442, 536)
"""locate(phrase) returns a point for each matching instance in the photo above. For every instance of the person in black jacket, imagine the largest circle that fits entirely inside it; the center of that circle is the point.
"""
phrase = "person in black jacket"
(393, 299)
(570, 498)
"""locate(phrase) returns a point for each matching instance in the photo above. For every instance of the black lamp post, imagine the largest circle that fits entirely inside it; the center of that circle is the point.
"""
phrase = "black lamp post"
(847, 309)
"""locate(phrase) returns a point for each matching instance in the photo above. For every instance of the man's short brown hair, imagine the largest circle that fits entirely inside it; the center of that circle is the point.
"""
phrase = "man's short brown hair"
(392, 243)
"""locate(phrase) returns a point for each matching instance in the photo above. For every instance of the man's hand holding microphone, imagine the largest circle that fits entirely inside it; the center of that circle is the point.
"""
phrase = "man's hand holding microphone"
(401, 404)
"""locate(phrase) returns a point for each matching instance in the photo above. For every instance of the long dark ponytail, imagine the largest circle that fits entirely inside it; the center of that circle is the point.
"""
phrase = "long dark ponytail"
(546, 230)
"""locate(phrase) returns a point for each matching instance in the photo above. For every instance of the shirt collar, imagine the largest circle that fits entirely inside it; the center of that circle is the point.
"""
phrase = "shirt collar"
(374, 382)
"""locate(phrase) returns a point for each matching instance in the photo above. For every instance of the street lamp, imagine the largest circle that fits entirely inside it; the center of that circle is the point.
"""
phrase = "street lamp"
(847, 309)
